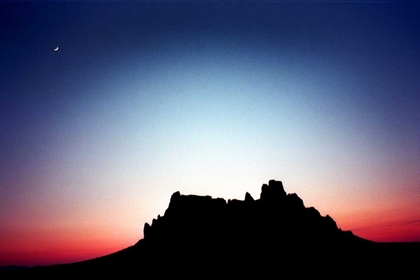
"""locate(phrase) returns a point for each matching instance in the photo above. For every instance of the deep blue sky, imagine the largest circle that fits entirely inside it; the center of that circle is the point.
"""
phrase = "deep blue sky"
(144, 99)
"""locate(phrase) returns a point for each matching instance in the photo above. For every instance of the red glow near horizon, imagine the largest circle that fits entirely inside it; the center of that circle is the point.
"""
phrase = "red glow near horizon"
(59, 252)
(402, 232)
(40, 248)
(49, 257)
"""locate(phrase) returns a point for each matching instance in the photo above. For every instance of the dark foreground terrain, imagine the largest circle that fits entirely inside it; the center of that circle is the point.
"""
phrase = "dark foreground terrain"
(274, 236)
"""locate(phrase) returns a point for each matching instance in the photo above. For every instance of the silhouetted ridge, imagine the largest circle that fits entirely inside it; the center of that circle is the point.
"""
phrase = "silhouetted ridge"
(276, 218)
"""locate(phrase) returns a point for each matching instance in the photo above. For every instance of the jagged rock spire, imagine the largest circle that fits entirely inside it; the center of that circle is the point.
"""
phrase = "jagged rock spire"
(273, 191)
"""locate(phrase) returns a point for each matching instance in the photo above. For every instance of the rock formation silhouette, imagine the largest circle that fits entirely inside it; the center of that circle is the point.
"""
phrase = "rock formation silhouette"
(275, 217)
(273, 236)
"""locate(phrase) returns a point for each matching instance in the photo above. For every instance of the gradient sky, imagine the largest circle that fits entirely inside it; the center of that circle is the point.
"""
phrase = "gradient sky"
(213, 98)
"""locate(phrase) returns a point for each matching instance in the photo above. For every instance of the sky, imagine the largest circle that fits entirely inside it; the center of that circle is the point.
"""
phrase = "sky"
(107, 108)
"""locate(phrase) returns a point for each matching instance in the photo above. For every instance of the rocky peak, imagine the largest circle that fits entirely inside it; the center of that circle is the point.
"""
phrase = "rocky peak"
(275, 217)
(274, 191)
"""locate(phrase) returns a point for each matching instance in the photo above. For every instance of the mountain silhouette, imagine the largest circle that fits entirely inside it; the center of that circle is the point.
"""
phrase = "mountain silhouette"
(272, 236)
(275, 217)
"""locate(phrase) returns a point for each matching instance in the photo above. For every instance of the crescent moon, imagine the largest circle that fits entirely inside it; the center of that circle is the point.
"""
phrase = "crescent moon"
(56, 49)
